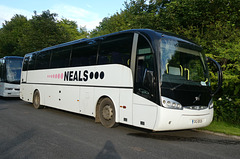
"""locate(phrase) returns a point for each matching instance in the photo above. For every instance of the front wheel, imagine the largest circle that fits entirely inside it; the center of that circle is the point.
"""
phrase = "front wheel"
(36, 100)
(107, 113)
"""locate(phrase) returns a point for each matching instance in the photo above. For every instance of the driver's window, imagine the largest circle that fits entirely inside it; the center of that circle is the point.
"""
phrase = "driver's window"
(144, 73)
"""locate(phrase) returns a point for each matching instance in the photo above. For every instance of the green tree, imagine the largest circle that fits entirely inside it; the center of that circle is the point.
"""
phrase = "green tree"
(20, 36)
(42, 31)
(69, 30)
(83, 33)
(10, 34)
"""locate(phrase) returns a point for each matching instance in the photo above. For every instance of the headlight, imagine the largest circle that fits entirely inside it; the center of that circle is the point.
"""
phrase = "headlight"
(210, 104)
(170, 103)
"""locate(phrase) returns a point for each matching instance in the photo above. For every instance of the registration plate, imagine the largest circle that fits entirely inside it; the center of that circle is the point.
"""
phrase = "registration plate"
(197, 121)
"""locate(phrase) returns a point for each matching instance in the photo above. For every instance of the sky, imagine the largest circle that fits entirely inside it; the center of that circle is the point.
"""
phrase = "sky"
(87, 13)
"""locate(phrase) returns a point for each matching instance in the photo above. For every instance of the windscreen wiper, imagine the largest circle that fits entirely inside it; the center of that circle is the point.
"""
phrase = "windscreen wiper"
(176, 86)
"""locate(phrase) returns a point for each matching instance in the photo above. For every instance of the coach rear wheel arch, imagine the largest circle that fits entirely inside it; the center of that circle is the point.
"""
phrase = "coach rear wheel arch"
(36, 100)
(106, 112)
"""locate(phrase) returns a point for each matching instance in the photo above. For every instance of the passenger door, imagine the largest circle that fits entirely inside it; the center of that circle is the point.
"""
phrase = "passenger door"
(144, 108)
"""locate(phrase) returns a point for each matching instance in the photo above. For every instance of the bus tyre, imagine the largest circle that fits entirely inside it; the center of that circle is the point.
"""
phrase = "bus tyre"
(36, 100)
(107, 113)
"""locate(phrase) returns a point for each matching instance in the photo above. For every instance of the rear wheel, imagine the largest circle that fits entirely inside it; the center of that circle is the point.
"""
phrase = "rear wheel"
(36, 100)
(107, 113)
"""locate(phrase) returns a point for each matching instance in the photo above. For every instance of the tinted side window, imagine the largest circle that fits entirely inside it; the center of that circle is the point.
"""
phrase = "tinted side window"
(25, 63)
(116, 50)
(43, 59)
(60, 57)
(1, 70)
(84, 54)
(31, 62)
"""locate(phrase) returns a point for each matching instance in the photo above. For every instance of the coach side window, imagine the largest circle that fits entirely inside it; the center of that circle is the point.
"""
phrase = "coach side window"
(43, 59)
(60, 57)
(1, 70)
(25, 63)
(116, 49)
(31, 62)
(84, 54)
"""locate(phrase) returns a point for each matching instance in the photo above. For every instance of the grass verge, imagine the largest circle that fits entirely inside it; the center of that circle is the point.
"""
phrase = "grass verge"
(223, 127)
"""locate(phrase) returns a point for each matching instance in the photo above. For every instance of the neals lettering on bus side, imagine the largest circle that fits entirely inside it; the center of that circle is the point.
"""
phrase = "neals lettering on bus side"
(76, 75)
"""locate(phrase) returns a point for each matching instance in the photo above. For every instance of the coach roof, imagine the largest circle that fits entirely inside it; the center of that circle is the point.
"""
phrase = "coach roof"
(146, 32)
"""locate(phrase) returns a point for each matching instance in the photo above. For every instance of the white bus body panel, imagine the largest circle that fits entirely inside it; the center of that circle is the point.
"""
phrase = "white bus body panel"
(172, 119)
(116, 83)
(24, 76)
(81, 95)
(144, 112)
(9, 90)
(126, 106)
(114, 76)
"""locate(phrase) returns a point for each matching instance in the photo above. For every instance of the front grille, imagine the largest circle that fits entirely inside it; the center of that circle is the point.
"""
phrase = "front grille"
(196, 107)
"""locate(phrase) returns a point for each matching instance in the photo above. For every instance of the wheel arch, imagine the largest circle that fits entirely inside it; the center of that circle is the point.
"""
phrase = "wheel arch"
(97, 109)
(34, 93)
(37, 105)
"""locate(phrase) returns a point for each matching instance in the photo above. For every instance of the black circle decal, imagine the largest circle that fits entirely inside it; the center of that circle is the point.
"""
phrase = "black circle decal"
(96, 75)
(102, 75)
(91, 75)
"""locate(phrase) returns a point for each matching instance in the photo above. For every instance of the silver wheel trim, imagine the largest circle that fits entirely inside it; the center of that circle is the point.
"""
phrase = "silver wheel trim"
(107, 112)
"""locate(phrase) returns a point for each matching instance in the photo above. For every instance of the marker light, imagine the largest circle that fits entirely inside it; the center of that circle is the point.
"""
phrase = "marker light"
(170, 103)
